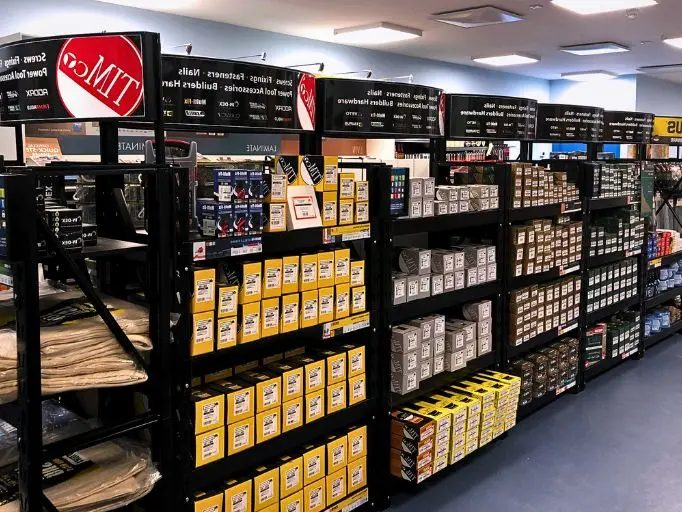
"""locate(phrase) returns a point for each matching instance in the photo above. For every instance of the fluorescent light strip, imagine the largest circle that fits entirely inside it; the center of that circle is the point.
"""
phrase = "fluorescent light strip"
(594, 49)
(675, 42)
(376, 33)
(586, 7)
(589, 76)
(513, 59)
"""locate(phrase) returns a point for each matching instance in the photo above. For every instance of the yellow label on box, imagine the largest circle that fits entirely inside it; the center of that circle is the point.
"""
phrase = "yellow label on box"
(357, 474)
(268, 425)
(346, 185)
(362, 190)
(226, 332)
(272, 278)
(356, 359)
(209, 410)
(240, 436)
(361, 212)
(290, 273)
(325, 269)
(250, 289)
(309, 307)
(337, 453)
(330, 209)
(290, 475)
(228, 299)
(205, 502)
(342, 309)
(314, 496)
(202, 333)
(336, 397)
(314, 463)
(346, 209)
(209, 447)
(309, 273)
(265, 487)
(270, 315)
(250, 322)
(326, 305)
(357, 443)
(203, 298)
(292, 414)
(342, 260)
(357, 273)
(331, 172)
(358, 300)
(290, 306)
(336, 486)
(314, 406)
(238, 496)
(293, 503)
(357, 389)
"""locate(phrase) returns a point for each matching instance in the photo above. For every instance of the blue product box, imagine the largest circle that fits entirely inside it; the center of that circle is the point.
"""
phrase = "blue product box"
(256, 219)
(256, 186)
(240, 218)
(215, 219)
(223, 184)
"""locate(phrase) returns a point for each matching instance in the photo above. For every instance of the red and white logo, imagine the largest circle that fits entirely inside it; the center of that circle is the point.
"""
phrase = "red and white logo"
(441, 114)
(305, 103)
(100, 76)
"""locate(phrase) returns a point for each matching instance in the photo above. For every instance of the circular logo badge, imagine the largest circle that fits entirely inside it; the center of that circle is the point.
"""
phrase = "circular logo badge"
(100, 76)
(305, 104)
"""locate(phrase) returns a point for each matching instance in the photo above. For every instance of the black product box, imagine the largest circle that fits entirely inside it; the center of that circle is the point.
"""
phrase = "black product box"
(62, 219)
(71, 240)
(40, 198)
(89, 235)
(593, 355)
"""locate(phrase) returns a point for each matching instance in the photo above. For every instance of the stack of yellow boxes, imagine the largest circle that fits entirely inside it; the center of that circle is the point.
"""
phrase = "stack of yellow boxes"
(353, 197)
(466, 416)
(317, 476)
(258, 404)
(278, 295)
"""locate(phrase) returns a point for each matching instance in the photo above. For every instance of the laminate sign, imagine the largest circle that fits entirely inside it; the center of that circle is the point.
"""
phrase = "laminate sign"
(569, 122)
(491, 117)
(381, 108)
(225, 93)
(667, 130)
(84, 77)
(628, 127)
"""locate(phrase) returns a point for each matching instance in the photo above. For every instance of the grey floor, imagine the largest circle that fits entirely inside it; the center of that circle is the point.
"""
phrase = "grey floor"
(617, 447)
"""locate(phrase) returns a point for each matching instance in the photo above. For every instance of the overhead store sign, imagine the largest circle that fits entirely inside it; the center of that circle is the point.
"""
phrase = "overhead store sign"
(628, 127)
(232, 94)
(84, 77)
(374, 108)
(667, 130)
(569, 123)
(491, 117)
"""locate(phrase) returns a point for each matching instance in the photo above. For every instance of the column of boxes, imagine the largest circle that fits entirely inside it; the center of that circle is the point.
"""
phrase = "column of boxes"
(453, 199)
(236, 208)
(421, 197)
(443, 428)
(67, 226)
(259, 403)
(255, 300)
(316, 476)
(611, 340)
(552, 369)
(611, 284)
(540, 308)
(612, 180)
(532, 185)
(663, 242)
(540, 246)
(622, 231)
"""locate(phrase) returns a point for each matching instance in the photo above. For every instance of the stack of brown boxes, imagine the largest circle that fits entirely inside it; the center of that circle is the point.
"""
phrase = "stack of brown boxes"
(539, 246)
(533, 186)
(540, 308)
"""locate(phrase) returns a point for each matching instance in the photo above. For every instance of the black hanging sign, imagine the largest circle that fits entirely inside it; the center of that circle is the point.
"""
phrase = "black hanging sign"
(491, 117)
(628, 127)
(569, 123)
(89, 77)
(377, 108)
(239, 95)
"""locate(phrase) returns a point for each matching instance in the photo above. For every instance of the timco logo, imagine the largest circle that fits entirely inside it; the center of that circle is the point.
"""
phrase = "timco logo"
(100, 76)
(441, 114)
(305, 102)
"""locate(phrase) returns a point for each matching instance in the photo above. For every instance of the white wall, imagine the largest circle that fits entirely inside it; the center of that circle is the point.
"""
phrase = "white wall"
(618, 94)
(658, 96)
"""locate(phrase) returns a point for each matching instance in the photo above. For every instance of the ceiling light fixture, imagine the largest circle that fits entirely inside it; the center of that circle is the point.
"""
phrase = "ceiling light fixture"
(513, 59)
(675, 42)
(376, 33)
(594, 48)
(586, 7)
(589, 76)
(660, 70)
(477, 17)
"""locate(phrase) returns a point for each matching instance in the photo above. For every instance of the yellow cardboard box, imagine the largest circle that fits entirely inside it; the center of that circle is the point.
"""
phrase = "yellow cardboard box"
(309, 309)
(331, 172)
(226, 332)
(358, 300)
(290, 475)
(342, 301)
(314, 406)
(357, 389)
(342, 260)
(292, 414)
(228, 299)
(356, 359)
(209, 447)
(268, 389)
(250, 280)
(209, 409)
(203, 298)
(337, 453)
(326, 305)
(240, 436)
(292, 379)
(270, 316)
(290, 313)
(336, 486)
(357, 443)
(308, 278)
(290, 274)
(313, 372)
(336, 397)
(266, 487)
(314, 496)
(239, 398)
(272, 278)
(293, 503)
(207, 502)
(325, 269)
(268, 425)
(249, 323)
(314, 462)
(346, 185)
(361, 212)
(357, 475)
(346, 208)
(330, 213)
(362, 190)
(238, 495)
(202, 333)
(357, 273)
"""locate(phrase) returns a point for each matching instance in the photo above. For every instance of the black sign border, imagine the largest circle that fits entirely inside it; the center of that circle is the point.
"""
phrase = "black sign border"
(579, 141)
(646, 141)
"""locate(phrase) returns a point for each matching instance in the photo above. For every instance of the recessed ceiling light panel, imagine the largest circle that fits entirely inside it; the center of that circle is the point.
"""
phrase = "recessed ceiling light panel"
(594, 49)
(601, 6)
(376, 33)
(675, 42)
(512, 59)
(589, 76)
(477, 17)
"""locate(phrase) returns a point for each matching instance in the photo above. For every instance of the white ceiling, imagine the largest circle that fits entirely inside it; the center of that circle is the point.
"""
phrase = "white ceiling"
(540, 34)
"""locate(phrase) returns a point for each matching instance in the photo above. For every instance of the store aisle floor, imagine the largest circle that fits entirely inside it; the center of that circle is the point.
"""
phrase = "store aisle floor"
(617, 447)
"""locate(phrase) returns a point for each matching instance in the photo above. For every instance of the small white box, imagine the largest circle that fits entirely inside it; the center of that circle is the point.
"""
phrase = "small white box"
(427, 207)
(416, 188)
(460, 279)
(453, 207)
(429, 187)
(438, 364)
(448, 283)
(416, 207)
(454, 361)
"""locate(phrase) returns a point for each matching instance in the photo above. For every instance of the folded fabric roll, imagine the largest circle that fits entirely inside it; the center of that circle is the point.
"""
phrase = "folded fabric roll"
(78, 351)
